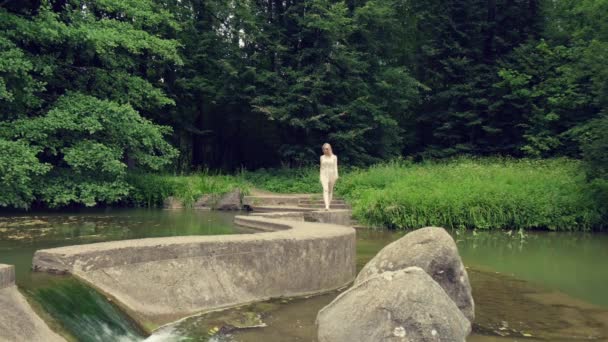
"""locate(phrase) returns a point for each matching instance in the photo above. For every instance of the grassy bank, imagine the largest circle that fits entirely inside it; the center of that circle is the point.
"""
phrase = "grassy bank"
(460, 193)
(473, 193)
(150, 190)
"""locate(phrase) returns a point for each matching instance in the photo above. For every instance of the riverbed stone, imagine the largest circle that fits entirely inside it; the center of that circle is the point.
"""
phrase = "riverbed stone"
(433, 250)
(404, 305)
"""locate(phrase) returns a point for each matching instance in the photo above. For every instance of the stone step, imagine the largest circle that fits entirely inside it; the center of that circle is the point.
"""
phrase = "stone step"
(273, 200)
(335, 201)
(275, 208)
(321, 206)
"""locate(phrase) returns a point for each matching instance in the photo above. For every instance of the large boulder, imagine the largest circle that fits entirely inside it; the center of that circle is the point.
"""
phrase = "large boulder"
(405, 305)
(433, 250)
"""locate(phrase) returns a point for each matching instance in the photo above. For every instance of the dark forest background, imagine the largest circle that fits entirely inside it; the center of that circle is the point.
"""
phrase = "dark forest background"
(92, 89)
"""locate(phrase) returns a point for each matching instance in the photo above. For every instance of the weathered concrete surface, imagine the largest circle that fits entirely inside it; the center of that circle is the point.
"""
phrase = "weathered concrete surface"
(334, 216)
(7, 275)
(405, 305)
(159, 280)
(274, 200)
(18, 322)
(433, 250)
(339, 216)
(282, 215)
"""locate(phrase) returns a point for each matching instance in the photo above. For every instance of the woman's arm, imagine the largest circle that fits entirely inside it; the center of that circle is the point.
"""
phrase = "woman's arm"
(336, 165)
(320, 166)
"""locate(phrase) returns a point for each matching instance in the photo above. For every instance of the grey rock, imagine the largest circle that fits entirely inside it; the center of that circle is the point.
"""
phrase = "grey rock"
(433, 250)
(205, 202)
(230, 201)
(173, 203)
(405, 305)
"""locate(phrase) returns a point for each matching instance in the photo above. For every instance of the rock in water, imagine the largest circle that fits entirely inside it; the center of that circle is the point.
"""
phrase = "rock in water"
(433, 250)
(230, 201)
(173, 203)
(405, 305)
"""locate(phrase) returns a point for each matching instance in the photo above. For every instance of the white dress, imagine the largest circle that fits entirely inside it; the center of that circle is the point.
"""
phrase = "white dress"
(329, 170)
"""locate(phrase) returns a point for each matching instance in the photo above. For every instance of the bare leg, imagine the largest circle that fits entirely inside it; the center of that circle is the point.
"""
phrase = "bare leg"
(331, 193)
(326, 197)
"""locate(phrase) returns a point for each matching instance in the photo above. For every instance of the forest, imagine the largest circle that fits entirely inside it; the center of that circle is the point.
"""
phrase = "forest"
(93, 92)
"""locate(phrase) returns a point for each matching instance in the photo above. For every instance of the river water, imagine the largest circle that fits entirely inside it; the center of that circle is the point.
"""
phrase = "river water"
(533, 286)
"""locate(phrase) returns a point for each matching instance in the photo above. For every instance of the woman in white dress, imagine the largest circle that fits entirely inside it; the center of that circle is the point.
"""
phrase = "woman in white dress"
(328, 174)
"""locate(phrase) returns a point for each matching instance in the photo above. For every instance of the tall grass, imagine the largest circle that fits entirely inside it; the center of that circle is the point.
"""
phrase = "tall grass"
(459, 193)
(473, 193)
(152, 189)
(286, 180)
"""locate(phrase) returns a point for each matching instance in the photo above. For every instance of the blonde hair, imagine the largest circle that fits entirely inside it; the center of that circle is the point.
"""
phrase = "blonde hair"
(331, 151)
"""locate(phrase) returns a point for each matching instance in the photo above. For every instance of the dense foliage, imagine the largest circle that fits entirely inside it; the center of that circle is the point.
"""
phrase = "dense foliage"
(93, 90)
(481, 193)
(469, 193)
(75, 78)
(152, 189)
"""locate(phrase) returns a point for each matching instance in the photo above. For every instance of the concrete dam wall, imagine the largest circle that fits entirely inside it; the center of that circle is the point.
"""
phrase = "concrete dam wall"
(159, 280)
(18, 321)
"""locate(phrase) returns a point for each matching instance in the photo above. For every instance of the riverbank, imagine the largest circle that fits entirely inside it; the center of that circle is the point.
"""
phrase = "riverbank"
(472, 193)
(460, 193)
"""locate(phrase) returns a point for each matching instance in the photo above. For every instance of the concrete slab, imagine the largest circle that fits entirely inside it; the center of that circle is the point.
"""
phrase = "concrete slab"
(7, 275)
(18, 321)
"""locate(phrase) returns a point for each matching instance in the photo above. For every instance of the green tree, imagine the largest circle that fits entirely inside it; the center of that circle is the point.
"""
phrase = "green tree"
(74, 78)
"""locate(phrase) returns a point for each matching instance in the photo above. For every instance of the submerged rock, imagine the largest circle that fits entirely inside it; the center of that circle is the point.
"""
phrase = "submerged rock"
(433, 250)
(405, 305)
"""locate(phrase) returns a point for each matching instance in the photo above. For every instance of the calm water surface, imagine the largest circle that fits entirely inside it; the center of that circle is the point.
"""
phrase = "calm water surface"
(551, 286)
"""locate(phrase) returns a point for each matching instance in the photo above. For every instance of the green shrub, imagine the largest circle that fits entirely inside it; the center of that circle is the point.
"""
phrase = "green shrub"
(594, 143)
(473, 193)
(286, 180)
(149, 189)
